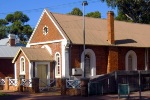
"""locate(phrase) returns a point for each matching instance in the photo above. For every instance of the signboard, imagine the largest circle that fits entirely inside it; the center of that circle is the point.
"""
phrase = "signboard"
(123, 90)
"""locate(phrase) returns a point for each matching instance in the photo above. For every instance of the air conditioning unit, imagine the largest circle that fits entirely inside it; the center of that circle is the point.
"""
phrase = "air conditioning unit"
(76, 71)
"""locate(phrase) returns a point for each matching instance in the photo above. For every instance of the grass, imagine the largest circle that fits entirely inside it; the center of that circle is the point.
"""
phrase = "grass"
(3, 94)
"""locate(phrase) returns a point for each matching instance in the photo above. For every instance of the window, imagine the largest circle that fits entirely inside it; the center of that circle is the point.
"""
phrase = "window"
(57, 68)
(22, 65)
(87, 65)
(45, 30)
(131, 61)
(90, 62)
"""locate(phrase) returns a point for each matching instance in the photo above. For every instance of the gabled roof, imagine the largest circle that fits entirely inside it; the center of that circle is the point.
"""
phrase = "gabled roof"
(34, 54)
(126, 34)
(8, 51)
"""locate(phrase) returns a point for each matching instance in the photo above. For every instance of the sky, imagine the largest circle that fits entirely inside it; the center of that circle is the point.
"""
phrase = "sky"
(33, 8)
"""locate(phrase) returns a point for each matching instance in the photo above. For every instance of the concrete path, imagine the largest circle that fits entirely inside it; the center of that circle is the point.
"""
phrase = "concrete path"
(56, 96)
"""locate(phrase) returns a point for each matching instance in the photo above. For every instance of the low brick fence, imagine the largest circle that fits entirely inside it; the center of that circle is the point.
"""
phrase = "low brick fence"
(74, 87)
(20, 85)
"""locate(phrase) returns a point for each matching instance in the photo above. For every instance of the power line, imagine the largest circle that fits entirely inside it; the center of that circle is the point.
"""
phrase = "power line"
(52, 7)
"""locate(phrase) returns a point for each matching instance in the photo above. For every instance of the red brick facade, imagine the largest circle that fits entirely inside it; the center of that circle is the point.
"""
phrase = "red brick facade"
(116, 60)
(53, 33)
(26, 66)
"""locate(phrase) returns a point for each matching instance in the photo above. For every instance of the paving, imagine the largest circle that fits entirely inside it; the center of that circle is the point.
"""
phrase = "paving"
(12, 95)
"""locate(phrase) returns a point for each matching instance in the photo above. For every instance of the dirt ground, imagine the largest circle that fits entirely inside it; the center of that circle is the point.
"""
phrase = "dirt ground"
(11, 95)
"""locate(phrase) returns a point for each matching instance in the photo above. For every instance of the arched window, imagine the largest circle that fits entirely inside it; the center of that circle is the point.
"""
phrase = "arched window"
(87, 65)
(90, 62)
(22, 65)
(131, 61)
(57, 65)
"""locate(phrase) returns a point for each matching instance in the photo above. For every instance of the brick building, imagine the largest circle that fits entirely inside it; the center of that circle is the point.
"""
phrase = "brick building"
(56, 46)
(8, 49)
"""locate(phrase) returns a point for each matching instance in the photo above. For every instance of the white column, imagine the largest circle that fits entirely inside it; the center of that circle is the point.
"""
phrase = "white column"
(63, 46)
(15, 71)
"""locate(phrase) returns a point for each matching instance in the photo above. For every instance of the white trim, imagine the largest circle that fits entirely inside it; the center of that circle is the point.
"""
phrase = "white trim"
(56, 75)
(30, 70)
(55, 41)
(44, 30)
(146, 59)
(24, 72)
(48, 71)
(47, 48)
(63, 45)
(92, 61)
(15, 71)
(134, 56)
(66, 63)
(35, 28)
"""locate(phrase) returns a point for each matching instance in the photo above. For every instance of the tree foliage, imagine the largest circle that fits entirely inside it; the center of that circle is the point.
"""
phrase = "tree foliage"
(3, 28)
(78, 12)
(137, 11)
(16, 24)
(95, 14)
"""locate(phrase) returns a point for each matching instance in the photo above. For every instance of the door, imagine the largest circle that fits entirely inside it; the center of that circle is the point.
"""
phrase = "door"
(42, 74)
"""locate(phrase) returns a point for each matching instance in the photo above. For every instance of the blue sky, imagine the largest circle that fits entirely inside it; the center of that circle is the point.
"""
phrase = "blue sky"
(34, 8)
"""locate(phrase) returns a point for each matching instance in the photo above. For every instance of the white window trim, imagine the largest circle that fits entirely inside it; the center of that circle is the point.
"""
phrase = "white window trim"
(22, 72)
(92, 61)
(57, 75)
(44, 30)
(134, 56)
(15, 70)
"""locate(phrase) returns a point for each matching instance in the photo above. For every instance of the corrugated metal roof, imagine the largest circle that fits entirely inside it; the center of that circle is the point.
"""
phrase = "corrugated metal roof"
(8, 51)
(37, 54)
(126, 33)
(4, 41)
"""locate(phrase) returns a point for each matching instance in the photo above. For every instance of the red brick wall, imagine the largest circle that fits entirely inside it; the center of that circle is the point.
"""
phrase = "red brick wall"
(112, 59)
(6, 68)
(101, 53)
(26, 66)
(53, 33)
(140, 52)
(101, 56)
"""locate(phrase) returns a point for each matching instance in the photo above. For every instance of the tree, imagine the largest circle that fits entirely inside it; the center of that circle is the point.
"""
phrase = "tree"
(137, 11)
(76, 11)
(122, 17)
(17, 25)
(95, 14)
(3, 28)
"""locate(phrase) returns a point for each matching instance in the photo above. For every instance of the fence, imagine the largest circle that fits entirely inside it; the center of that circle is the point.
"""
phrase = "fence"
(137, 80)
(47, 85)
(13, 82)
(73, 84)
(26, 84)
(2, 82)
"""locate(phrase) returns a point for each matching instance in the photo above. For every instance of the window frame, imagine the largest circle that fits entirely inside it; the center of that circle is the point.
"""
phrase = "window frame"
(45, 32)
(22, 72)
(57, 65)
(134, 60)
